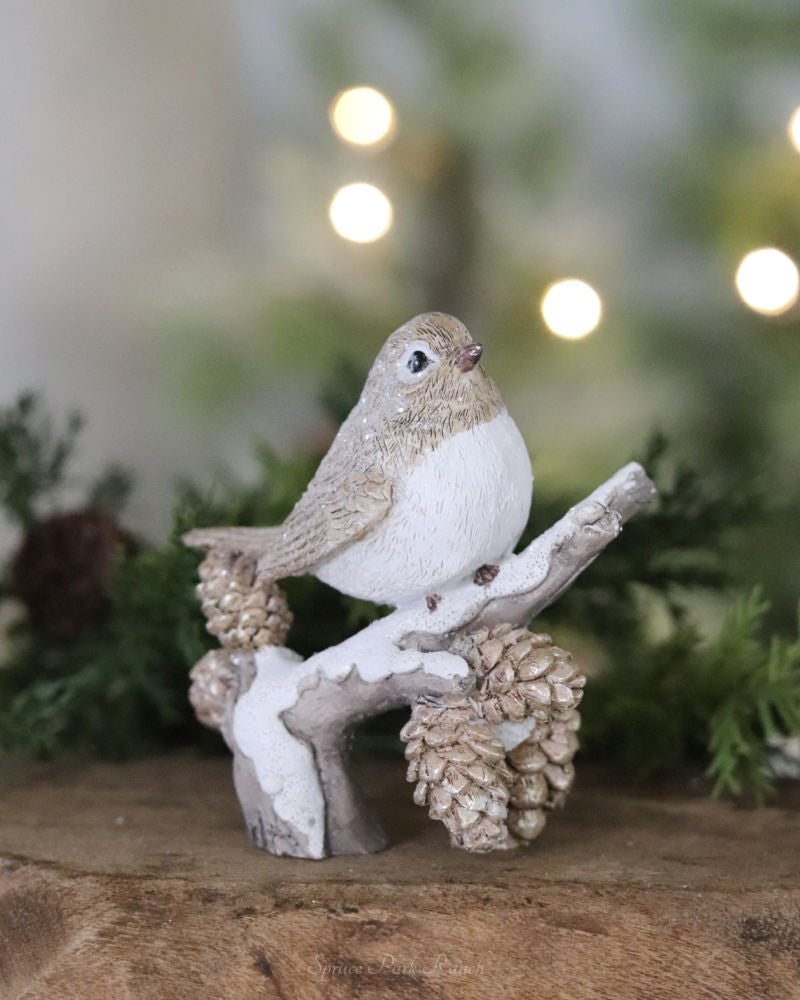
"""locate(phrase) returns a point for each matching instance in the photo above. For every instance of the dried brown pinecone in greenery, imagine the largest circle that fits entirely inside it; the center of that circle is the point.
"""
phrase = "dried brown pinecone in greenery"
(460, 770)
(243, 611)
(214, 682)
(63, 570)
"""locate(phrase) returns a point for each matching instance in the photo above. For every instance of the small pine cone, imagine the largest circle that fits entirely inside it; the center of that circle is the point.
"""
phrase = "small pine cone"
(521, 675)
(214, 682)
(243, 611)
(460, 770)
(63, 571)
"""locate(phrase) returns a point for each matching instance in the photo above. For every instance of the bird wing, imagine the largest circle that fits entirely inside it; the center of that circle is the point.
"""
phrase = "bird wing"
(334, 511)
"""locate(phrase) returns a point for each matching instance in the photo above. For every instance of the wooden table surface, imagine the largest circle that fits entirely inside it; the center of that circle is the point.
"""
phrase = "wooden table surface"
(138, 881)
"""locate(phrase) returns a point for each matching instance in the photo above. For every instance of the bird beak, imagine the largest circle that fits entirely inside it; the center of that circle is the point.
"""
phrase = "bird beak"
(468, 357)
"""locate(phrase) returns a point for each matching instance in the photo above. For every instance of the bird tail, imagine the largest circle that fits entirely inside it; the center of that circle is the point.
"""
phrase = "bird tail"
(245, 540)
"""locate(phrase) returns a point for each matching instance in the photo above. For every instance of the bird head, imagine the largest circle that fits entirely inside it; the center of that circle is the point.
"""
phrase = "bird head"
(428, 368)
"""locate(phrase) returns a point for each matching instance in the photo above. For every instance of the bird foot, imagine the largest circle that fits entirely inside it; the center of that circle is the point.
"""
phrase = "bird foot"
(432, 600)
(485, 574)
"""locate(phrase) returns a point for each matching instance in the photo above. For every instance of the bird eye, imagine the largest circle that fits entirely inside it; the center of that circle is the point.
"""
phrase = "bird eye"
(417, 362)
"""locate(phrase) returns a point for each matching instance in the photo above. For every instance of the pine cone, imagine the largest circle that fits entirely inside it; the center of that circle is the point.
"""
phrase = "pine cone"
(460, 766)
(214, 682)
(522, 675)
(243, 611)
(460, 770)
(62, 572)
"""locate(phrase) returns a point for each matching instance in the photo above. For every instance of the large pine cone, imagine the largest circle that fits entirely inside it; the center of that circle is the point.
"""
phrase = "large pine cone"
(62, 572)
(460, 771)
(520, 677)
(243, 611)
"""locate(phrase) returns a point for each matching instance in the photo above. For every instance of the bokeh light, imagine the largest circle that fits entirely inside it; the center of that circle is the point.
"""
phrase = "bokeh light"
(362, 116)
(768, 281)
(571, 308)
(794, 129)
(360, 212)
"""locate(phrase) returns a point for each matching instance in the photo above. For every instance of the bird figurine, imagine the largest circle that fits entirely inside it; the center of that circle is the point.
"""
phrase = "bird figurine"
(427, 483)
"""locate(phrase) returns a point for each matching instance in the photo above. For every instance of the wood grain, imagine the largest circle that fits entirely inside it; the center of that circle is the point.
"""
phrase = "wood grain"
(138, 881)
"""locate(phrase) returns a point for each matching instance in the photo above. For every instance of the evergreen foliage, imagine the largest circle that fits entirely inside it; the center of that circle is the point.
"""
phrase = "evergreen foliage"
(683, 700)
(33, 456)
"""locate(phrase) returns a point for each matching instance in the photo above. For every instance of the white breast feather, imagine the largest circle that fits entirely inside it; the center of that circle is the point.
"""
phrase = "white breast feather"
(464, 505)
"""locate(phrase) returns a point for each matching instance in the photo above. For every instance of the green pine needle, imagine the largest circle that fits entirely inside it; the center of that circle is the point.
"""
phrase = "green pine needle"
(757, 687)
(33, 456)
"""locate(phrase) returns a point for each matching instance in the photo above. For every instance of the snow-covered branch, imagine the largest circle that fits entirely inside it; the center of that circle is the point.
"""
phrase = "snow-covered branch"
(288, 721)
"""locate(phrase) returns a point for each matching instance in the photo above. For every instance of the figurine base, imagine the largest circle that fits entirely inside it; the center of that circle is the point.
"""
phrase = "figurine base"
(138, 880)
